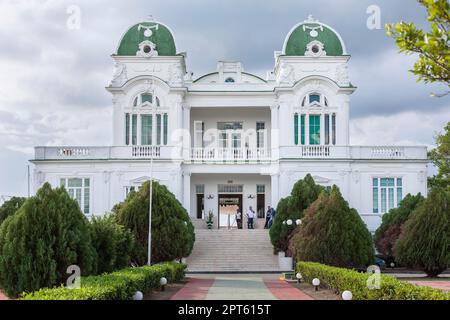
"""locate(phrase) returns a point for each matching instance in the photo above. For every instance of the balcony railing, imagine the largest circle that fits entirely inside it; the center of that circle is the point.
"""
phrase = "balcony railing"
(231, 154)
(96, 153)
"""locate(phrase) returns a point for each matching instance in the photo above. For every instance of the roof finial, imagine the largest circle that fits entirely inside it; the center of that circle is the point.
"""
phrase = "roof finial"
(149, 18)
(311, 18)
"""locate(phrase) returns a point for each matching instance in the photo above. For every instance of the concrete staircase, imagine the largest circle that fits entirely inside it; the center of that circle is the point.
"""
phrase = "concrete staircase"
(232, 251)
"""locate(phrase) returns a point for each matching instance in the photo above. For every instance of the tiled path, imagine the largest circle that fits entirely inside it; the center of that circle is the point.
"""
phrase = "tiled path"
(3, 297)
(443, 285)
(238, 287)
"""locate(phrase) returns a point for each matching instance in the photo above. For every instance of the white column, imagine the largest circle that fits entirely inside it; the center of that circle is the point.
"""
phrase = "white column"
(342, 122)
(187, 191)
(187, 131)
(275, 180)
(275, 131)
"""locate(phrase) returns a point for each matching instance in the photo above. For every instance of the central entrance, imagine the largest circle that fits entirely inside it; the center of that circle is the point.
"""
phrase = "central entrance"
(228, 205)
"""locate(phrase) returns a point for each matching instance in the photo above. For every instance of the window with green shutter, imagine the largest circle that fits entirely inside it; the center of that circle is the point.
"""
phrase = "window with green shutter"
(314, 129)
(296, 129)
(166, 128)
(146, 130)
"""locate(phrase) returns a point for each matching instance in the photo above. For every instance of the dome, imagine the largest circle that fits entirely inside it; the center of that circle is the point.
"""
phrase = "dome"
(147, 39)
(313, 38)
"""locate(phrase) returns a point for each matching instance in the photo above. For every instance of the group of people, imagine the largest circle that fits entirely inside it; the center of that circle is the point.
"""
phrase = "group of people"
(270, 216)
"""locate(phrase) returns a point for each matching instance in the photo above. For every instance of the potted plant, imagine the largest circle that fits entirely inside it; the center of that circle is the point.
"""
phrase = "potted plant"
(210, 219)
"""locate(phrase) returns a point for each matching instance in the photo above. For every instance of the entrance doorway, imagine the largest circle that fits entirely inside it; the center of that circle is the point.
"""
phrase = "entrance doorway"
(228, 205)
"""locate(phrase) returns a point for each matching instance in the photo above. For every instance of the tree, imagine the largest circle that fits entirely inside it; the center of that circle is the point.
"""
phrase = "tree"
(441, 159)
(172, 230)
(10, 207)
(112, 242)
(390, 228)
(303, 193)
(433, 47)
(424, 242)
(48, 234)
(332, 233)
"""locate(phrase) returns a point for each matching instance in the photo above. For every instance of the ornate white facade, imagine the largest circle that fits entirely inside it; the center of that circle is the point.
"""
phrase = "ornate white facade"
(232, 136)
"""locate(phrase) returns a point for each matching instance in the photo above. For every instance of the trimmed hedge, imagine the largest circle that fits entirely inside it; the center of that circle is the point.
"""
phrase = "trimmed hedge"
(339, 280)
(119, 285)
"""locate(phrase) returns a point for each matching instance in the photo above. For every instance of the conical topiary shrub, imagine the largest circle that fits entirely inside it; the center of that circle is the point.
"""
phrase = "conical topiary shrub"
(425, 239)
(334, 234)
(172, 230)
(303, 194)
(38, 243)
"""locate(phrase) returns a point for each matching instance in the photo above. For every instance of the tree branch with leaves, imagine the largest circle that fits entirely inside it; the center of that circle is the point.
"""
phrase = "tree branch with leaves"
(432, 47)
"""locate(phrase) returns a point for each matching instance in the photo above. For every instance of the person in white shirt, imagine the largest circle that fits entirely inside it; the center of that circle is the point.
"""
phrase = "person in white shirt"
(239, 219)
(250, 217)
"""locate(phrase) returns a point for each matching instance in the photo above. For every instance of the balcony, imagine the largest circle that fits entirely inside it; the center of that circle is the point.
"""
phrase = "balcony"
(230, 154)
(354, 152)
(106, 153)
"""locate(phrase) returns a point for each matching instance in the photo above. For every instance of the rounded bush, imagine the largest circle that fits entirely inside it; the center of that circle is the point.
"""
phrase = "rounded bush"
(10, 207)
(112, 242)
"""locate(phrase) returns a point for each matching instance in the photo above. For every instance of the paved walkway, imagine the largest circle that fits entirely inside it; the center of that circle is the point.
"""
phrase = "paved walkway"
(443, 285)
(3, 296)
(238, 287)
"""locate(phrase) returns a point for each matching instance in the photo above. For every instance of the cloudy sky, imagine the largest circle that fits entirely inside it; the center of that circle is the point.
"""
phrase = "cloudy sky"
(52, 78)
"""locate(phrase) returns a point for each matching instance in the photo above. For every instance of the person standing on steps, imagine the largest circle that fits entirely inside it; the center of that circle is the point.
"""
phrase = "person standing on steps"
(268, 217)
(239, 219)
(250, 217)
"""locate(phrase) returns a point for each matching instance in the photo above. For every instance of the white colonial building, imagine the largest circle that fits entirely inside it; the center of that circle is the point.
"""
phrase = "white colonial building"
(230, 138)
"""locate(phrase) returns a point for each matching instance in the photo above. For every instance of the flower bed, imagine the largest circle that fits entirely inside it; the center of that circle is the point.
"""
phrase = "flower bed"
(391, 288)
(119, 285)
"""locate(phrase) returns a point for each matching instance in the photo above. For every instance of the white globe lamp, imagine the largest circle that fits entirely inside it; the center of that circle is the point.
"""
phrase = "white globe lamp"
(289, 222)
(163, 282)
(316, 283)
(298, 222)
(138, 296)
(347, 295)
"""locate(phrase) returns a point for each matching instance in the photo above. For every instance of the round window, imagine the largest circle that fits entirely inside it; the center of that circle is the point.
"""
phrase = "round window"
(147, 49)
(315, 48)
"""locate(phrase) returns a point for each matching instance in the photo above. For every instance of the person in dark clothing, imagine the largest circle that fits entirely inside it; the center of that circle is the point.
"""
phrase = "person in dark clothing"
(268, 217)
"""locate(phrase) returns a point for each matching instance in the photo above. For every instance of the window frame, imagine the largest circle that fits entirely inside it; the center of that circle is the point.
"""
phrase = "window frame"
(83, 190)
(383, 207)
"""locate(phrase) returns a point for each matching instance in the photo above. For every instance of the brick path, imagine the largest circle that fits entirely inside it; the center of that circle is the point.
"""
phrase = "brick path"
(443, 285)
(238, 287)
(3, 296)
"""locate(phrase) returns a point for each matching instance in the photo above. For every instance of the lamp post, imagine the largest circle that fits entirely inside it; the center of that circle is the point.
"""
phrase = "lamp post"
(316, 283)
(149, 260)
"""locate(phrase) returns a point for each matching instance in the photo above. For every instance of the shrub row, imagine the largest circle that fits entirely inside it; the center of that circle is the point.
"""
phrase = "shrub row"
(339, 280)
(119, 285)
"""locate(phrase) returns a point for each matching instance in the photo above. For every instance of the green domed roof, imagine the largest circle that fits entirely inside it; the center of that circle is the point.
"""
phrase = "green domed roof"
(159, 34)
(304, 33)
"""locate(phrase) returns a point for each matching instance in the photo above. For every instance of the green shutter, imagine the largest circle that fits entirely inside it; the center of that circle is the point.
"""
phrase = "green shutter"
(158, 129)
(127, 129)
(166, 128)
(303, 129)
(314, 130)
(146, 129)
(296, 129)
(134, 129)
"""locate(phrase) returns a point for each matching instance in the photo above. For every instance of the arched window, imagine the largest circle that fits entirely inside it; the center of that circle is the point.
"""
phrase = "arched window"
(314, 98)
(146, 124)
(147, 99)
(229, 80)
